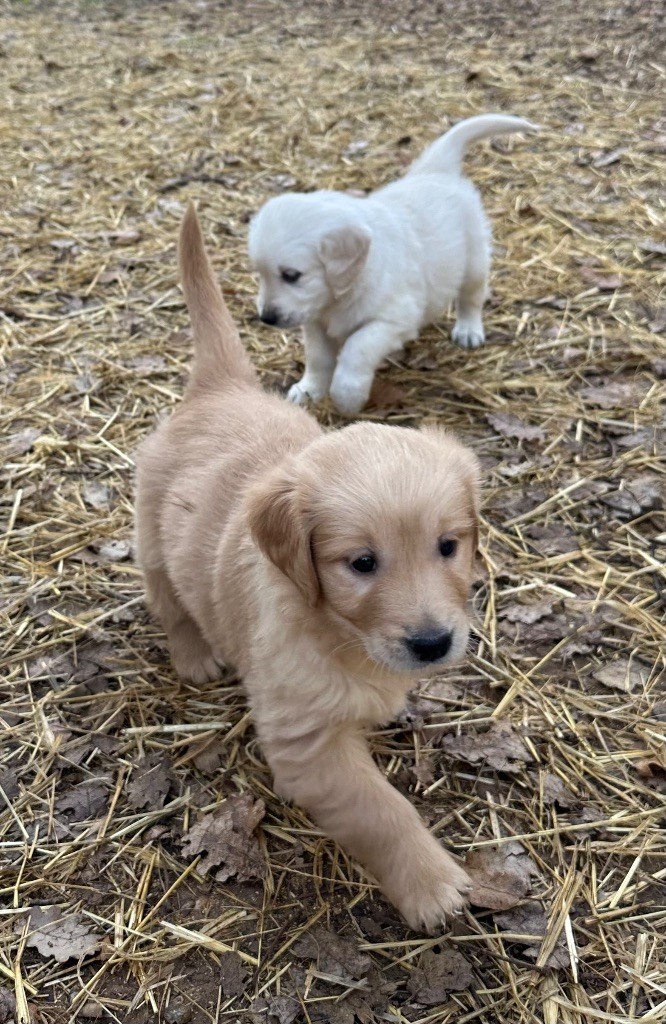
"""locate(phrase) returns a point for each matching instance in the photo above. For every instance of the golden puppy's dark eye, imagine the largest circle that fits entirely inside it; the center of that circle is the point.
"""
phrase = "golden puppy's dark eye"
(365, 563)
(290, 276)
(447, 547)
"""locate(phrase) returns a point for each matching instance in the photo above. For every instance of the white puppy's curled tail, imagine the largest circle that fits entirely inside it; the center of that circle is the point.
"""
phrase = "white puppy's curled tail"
(446, 154)
(219, 356)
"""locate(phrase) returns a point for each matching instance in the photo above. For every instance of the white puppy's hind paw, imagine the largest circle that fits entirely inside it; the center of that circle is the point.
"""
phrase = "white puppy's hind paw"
(305, 391)
(468, 334)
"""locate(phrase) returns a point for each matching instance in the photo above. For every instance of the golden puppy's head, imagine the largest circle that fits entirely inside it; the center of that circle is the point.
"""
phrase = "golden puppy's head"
(377, 527)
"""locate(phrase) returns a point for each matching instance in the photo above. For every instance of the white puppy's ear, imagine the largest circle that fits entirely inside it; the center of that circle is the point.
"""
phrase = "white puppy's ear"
(343, 252)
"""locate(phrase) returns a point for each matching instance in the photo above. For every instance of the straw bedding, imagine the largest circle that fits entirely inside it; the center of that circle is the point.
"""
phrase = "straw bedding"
(147, 872)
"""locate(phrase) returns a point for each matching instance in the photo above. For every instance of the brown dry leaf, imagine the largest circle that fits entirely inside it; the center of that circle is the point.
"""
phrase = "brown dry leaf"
(554, 539)
(423, 771)
(149, 783)
(233, 974)
(209, 755)
(555, 792)
(8, 779)
(333, 954)
(227, 837)
(366, 1005)
(146, 364)
(126, 236)
(624, 674)
(421, 706)
(285, 1009)
(510, 426)
(87, 800)
(96, 495)
(63, 937)
(21, 442)
(438, 974)
(527, 613)
(500, 876)
(648, 490)
(530, 921)
(113, 550)
(653, 770)
(500, 747)
(613, 395)
(604, 282)
(7, 1006)
(84, 665)
(385, 395)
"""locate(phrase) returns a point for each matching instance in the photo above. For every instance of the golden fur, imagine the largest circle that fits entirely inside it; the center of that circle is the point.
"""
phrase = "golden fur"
(249, 518)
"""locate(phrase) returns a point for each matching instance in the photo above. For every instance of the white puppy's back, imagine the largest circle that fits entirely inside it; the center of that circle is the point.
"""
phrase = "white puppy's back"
(444, 214)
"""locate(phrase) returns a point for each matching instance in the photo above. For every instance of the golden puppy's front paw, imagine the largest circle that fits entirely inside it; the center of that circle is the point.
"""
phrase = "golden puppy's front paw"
(197, 668)
(433, 897)
(192, 657)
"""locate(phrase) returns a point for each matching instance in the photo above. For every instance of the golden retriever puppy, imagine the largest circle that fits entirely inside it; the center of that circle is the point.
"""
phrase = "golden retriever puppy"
(331, 569)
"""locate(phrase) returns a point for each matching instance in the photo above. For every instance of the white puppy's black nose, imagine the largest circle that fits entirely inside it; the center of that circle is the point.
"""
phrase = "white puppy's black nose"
(429, 646)
(269, 316)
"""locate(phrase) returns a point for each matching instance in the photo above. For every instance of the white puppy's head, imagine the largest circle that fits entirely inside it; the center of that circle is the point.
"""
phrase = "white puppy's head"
(309, 251)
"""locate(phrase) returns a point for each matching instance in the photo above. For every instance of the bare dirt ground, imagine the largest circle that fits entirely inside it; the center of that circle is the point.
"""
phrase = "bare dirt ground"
(147, 872)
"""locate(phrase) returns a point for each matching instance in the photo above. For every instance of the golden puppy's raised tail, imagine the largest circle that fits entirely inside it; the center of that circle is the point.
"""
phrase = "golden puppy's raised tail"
(219, 356)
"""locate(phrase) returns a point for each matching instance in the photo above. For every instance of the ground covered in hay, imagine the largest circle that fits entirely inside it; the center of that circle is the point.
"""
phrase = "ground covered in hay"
(147, 872)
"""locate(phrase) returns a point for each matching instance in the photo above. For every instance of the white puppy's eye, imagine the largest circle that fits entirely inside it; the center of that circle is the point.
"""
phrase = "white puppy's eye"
(290, 276)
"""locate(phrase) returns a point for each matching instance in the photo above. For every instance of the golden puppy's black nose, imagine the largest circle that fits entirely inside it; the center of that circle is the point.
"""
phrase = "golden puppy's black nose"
(429, 646)
(269, 316)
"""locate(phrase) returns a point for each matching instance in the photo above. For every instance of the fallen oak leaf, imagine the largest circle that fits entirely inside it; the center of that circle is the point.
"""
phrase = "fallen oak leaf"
(529, 922)
(385, 395)
(613, 395)
(510, 426)
(149, 783)
(55, 934)
(437, 974)
(337, 955)
(500, 876)
(604, 282)
(500, 747)
(285, 1009)
(112, 550)
(226, 837)
(555, 792)
(87, 800)
(21, 442)
(7, 1006)
(624, 674)
(96, 495)
(527, 613)
(233, 974)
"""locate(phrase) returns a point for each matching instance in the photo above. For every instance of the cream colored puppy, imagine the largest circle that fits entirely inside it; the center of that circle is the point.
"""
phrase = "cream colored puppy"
(363, 276)
(332, 570)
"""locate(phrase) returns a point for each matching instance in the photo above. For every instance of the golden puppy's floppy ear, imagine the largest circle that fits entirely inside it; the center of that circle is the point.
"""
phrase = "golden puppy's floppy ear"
(278, 524)
(343, 253)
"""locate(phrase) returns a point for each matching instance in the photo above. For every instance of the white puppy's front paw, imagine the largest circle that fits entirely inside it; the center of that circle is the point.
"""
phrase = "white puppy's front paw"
(306, 390)
(468, 333)
(349, 392)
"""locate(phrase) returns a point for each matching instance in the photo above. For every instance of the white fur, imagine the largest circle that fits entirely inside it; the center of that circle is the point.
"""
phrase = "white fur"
(375, 270)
